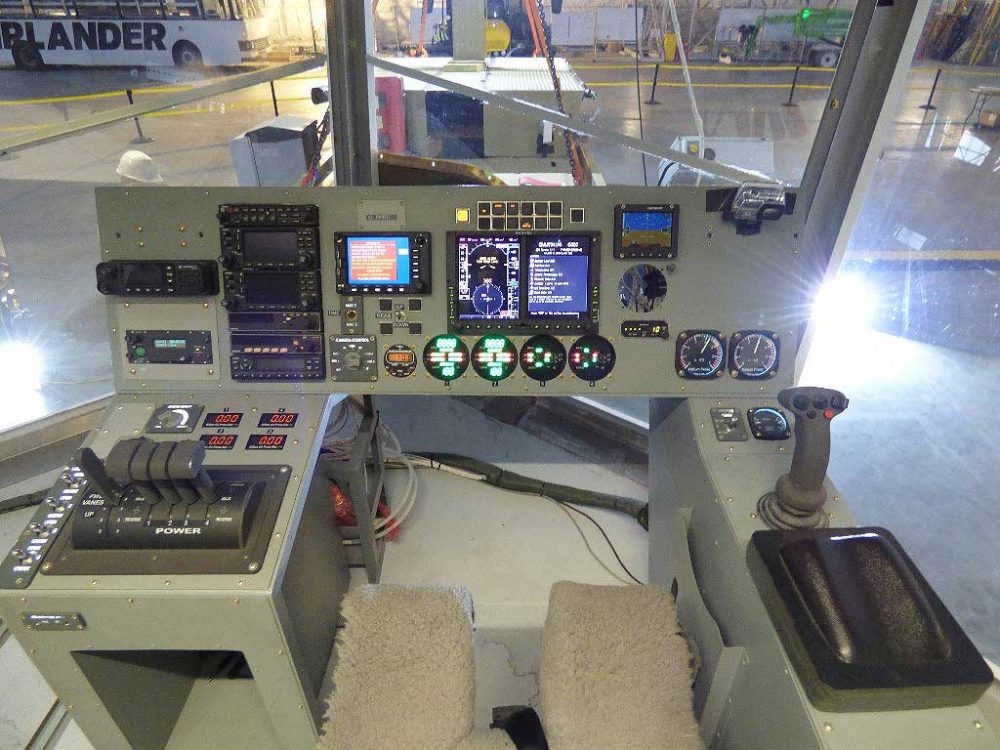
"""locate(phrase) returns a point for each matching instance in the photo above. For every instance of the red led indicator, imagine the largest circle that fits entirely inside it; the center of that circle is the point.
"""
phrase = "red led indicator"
(829, 414)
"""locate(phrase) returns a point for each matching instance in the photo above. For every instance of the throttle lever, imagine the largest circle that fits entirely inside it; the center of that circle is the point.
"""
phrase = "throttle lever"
(96, 475)
(799, 495)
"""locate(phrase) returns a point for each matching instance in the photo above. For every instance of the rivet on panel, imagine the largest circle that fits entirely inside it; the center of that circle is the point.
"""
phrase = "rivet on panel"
(236, 601)
(977, 724)
(827, 726)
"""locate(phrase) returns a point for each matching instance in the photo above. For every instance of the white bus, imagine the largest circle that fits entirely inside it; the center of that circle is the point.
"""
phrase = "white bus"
(186, 33)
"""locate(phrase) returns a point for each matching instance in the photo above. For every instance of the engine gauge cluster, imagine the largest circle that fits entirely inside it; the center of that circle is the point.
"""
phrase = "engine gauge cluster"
(446, 357)
(543, 357)
(592, 358)
(494, 358)
(749, 355)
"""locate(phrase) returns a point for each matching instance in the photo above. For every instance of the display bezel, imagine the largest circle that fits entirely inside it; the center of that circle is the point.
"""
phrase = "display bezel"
(621, 209)
(420, 265)
(587, 322)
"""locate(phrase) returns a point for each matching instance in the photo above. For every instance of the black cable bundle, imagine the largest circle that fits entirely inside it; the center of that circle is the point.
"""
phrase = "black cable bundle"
(509, 480)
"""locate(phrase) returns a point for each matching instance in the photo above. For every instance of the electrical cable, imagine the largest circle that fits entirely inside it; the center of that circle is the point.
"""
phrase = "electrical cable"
(607, 539)
(508, 480)
(586, 543)
(451, 469)
(19, 502)
(638, 93)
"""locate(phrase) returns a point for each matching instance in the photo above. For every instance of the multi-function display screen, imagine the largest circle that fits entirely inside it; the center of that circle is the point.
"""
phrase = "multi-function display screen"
(511, 282)
(277, 289)
(646, 231)
(558, 276)
(489, 277)
(266, 248)
(378, 260)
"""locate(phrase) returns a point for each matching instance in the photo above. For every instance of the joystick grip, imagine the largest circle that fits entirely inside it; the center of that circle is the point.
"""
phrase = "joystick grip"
(814, 409)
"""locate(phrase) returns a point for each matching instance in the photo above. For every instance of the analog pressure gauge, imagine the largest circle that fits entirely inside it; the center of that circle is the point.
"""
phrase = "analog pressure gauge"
(753, 354)
(700, 354)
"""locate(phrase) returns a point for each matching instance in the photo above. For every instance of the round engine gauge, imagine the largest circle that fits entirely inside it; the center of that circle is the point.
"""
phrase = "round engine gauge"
(400, 361)
(753, 354)
(700, 354)
(543, 357)
(642, 288)
(592, 357)
(494, 357)
(446, 357)
(768, 423)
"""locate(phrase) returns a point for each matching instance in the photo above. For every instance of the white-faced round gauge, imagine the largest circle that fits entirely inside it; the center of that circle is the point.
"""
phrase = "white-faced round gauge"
(754, 354)
(700, 354)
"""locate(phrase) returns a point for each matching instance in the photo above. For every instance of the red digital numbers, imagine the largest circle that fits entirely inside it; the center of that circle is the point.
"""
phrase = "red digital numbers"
(223, 419)
(278, 419)
(266, 442)
(219, 442)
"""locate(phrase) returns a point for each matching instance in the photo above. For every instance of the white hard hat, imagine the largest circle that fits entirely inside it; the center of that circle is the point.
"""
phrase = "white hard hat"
(138, 167)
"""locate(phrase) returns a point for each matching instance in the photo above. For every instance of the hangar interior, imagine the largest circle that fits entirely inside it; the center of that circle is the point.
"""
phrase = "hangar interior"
(691, 305)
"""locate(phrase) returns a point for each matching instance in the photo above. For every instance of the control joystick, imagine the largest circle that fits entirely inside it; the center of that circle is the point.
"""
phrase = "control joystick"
(798, 499)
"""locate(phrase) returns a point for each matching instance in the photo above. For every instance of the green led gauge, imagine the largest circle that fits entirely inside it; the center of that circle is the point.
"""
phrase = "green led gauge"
(543, 357)
(446, 357)
(494, 358)
(592, 358)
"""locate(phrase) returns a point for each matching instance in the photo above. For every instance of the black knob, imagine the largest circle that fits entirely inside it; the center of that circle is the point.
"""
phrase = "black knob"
(305, 261)
(228, 260)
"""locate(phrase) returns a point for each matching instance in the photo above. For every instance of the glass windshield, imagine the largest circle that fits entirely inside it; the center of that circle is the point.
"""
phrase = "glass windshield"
(738, 87)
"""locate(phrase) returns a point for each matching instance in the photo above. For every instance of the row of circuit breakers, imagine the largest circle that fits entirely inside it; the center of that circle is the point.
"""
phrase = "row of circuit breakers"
(539, 285)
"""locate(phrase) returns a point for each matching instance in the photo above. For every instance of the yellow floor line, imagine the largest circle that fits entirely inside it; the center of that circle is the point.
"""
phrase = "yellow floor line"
(681, 85)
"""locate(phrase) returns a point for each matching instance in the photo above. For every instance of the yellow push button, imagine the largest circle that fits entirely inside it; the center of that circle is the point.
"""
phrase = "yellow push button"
(462, 216)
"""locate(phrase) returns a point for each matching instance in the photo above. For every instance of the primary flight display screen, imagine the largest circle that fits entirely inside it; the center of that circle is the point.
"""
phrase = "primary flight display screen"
(489, 277)
(558, 276)
(372, 263)
(645, 231)
(520, 282)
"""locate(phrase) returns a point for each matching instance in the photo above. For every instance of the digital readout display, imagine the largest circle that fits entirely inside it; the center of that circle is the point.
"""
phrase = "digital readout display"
(489, 277)
(169, 343)
(378, 260)
(266, 442)
(223, 419)
(558, 276)
(278, 419)
(219, 442)
(270, 247)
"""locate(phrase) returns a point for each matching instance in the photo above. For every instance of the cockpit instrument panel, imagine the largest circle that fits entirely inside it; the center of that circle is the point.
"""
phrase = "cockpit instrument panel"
(506, 291)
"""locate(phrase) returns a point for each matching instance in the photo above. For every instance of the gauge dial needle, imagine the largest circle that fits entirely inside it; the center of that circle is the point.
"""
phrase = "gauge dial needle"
(705, 348)
(757, 345)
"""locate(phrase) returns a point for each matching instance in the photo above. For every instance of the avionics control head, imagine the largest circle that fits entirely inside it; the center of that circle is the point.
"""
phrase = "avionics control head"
(798, 499)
